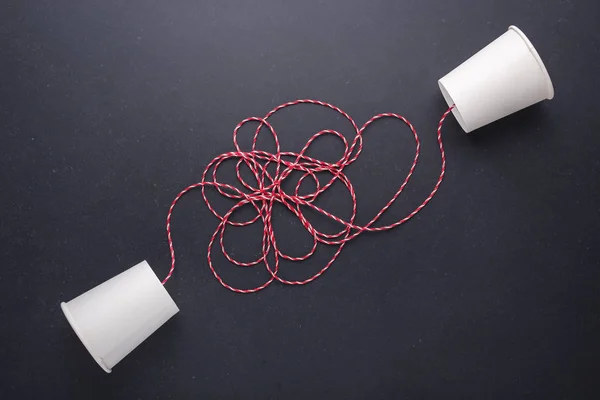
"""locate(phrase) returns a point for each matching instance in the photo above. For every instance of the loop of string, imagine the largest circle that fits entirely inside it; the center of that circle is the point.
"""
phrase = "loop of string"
(267, 191)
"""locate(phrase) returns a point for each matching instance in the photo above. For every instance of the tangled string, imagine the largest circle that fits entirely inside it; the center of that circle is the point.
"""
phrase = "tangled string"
(267, 191)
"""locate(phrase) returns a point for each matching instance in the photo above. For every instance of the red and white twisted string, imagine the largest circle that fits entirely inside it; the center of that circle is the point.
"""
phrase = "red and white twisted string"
(267, 191)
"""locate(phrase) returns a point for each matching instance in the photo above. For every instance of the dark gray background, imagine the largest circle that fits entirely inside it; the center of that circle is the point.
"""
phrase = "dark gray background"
(109, 108)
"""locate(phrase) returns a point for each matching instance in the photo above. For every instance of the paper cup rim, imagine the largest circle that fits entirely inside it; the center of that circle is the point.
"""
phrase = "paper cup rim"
(65, 309)
(538, 59)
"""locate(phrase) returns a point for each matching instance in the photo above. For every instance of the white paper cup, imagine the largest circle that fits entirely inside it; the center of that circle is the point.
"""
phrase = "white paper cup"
(116, 316)
(504, 77)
